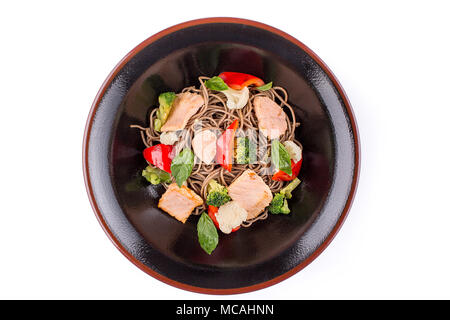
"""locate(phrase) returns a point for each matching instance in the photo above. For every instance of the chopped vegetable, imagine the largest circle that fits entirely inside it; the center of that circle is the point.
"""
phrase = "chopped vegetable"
(217, 194)
(225, 146)
(236, 99)
(238, 80)
(294, 150)
(235, 87)
(208, 237)
(279, 204)
(157, 124)
(245, 151)
(155, 175)
(166, 100)
(265, 87)
(216, 83)
(182, 166)
(169, 137)
(230, 216)
(283, 176)
(212, 212)
(280, 157)
(160, 156)
(287, 191)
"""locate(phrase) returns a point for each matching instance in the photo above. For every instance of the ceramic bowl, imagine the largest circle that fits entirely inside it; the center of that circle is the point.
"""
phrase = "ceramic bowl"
(126, 205)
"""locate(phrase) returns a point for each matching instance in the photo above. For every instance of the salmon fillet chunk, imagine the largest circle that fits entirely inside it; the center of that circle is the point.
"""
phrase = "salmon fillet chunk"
(251, 192)
(184, 107)
(271, 117)
(179, 202)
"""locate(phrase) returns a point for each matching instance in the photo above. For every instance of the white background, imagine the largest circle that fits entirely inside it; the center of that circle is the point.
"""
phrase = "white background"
(393, 60)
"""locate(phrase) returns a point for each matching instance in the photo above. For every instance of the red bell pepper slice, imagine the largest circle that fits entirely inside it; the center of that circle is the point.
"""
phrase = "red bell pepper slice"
(225, 146)
(212, 211)
(283, 176)
(160, 156)
(212, 214)
(238, 80)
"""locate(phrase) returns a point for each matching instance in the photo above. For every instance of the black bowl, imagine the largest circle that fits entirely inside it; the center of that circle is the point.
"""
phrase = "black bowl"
(270, 250)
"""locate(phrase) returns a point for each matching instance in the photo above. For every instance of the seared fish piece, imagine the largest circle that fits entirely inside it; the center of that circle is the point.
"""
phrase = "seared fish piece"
(272, 120)
(179, 202)
(183, 108)
(251, 192)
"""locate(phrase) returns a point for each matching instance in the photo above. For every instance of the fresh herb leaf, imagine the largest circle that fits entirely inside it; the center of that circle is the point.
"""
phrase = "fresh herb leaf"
(280, 157)
(182, 165)
(155, 175)
(216, 83)
(265, 87)
(208, 237)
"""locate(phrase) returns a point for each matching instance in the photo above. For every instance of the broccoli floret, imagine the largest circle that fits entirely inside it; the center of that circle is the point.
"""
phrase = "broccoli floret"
(155, 175)
(217, 194)
(287, 191)
(245, 151)
(279, 204)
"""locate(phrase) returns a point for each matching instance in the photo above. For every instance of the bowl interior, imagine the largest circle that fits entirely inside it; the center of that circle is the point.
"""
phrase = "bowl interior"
(128, 204)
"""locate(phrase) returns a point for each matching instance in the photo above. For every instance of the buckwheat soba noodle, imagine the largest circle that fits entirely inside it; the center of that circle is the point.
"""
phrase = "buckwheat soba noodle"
(215, 115)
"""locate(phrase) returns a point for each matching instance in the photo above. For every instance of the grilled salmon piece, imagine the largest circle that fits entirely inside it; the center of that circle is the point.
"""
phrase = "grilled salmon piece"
(184, 107)
(251, 192)
(272, 120)
(179, 202)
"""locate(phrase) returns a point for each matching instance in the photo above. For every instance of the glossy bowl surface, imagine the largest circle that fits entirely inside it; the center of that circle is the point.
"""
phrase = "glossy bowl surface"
(126, 206)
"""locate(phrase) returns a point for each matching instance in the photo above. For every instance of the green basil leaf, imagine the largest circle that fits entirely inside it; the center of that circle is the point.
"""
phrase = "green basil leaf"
(216, 83)
(265, 87)
(280, 157)
(182, 165)
(208, 238)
